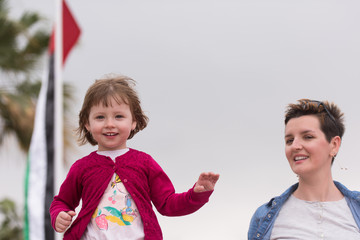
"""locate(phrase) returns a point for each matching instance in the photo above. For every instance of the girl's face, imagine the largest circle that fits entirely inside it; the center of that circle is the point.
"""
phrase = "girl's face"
(111, 126)
(306, 147)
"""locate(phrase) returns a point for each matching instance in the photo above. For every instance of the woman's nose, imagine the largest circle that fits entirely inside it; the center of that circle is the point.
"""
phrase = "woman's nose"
(297, 144)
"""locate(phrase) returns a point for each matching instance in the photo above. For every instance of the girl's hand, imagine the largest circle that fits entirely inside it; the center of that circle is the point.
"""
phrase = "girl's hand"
(63, 220)
(206, 182)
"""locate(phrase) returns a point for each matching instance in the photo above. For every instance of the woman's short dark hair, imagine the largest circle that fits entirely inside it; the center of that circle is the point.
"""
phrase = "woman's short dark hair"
(330, 116)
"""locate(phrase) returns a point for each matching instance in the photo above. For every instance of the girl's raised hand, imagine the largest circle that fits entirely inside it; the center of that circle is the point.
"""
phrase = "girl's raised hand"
(206, 182)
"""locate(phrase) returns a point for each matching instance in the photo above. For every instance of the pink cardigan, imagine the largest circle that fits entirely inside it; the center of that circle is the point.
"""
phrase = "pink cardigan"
(144, 180)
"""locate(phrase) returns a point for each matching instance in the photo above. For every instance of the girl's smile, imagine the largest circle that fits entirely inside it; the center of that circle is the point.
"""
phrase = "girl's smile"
(111, 126)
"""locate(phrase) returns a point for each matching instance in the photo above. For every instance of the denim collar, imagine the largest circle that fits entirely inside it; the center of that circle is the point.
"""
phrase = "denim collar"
(355, 195)
(283, 197)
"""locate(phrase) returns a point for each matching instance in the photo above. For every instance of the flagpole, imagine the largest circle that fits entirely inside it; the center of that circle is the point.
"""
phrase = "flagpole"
(58, 128)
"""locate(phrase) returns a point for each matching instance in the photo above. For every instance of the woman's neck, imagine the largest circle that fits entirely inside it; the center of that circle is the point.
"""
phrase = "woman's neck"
(318, 189)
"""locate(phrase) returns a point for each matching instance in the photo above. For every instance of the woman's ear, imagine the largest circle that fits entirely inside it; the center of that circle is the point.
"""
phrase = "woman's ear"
(335, 145)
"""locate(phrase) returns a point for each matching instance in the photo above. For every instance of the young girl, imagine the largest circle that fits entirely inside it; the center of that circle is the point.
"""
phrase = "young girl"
(115, 183)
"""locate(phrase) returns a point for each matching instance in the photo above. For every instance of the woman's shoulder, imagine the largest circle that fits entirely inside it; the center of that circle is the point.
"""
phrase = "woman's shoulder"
(258, 218)
(348, 193)
(275, 202)
(265, 214)
(263, 209)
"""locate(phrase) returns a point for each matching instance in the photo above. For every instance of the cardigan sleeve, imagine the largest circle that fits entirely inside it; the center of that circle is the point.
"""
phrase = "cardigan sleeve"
(164, 198)
(69, 194)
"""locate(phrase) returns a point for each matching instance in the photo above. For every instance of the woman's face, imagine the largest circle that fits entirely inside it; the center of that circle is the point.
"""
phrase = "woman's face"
(306, 147)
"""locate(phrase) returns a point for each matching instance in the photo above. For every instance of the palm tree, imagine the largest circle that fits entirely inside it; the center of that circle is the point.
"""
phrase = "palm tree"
(21, 47)
(17, 109)
(22, 44)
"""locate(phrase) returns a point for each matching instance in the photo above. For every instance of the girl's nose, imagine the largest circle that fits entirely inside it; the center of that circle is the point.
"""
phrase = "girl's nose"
(109, 122)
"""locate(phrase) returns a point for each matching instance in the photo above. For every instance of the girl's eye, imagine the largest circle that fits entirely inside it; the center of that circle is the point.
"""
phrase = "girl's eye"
(118, 116)
(99, 117)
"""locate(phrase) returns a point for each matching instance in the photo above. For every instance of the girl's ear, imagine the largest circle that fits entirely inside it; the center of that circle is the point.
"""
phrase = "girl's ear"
(87, 126)
(133, 126)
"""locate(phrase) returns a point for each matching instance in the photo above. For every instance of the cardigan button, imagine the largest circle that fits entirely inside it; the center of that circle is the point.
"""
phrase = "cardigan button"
(125, 180)
(114, 167)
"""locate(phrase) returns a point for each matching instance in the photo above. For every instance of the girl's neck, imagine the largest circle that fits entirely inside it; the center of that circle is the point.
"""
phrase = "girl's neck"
(318, 189)
(114, 153)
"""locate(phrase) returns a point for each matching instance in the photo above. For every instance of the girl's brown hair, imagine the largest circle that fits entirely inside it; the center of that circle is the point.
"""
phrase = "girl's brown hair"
(121, 89)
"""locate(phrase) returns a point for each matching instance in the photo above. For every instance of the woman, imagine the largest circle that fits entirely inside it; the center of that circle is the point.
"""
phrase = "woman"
(316, 207)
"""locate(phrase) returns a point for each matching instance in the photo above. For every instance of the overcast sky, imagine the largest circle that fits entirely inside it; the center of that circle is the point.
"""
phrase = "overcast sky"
(215, 78)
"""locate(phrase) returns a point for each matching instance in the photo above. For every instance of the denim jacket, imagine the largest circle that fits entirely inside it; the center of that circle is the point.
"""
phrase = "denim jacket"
(263, 219)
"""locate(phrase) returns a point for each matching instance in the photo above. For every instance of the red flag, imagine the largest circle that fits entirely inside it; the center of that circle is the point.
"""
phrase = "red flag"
(71, 32)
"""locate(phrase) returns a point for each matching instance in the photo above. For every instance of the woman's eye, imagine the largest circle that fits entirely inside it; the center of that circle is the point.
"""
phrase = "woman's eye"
(289, 141)
(308, 137)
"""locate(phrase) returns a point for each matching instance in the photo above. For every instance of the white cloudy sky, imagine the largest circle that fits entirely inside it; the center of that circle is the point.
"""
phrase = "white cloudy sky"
(214, 78)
